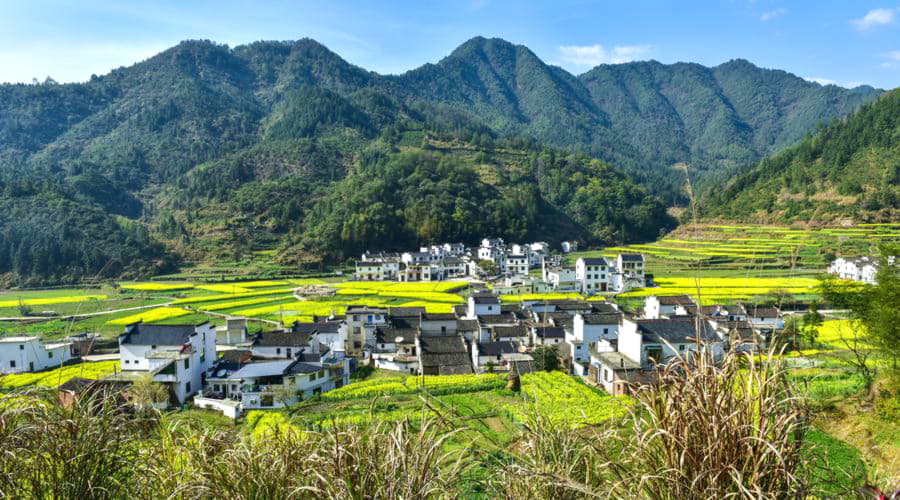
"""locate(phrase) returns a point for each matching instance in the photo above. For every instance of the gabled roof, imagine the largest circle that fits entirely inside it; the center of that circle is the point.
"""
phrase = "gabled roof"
(486, 299)
(603, 307)
(467, 325)
(764, 312)
(508, 331)
(406, 311)
(168, 335)
(497, 319)
(390, 335)
(595, 261)
(618, 361)
(264, 369)
(320, 327)
(550, 332)
(497, 348)
(676, 300)
(281, 339)
(631, 257)
(438, 317)
(602, 319)
(674, 331)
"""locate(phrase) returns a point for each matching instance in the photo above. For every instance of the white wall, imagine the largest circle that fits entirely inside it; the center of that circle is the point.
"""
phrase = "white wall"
(30, 355)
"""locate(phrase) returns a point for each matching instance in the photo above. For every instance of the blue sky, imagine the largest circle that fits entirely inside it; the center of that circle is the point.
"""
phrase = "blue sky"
(842, 42)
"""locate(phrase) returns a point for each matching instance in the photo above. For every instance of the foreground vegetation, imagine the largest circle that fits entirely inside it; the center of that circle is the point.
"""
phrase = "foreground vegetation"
(668, 445)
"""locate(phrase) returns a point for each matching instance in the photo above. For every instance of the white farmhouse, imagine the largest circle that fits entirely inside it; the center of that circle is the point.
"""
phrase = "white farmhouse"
(592, 274)
(28, 354)
(178, 356)
(649, 342)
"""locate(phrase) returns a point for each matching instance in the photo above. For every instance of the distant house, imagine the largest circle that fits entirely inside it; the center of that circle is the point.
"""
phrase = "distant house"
(284, 344)
(369, 270)
(274, 384)
(593, 274)
(27, 354)
(330, 335)
(613, 370)
(656, 307)
(517, 265)
(655, 341)
(499, 356)
(569, 246)
(544, 334)
(862, 269)
(562, 279)
(234, 331)
(629, 272)
(443, 355)
(396, 347)
(480, 305)
(76, 388)
(178, 356)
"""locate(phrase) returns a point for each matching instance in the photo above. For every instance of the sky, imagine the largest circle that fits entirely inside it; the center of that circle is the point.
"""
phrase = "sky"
(840, 42)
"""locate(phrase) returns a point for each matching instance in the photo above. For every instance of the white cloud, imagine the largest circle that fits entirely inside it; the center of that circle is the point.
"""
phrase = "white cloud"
(828, 81)
(592, 55)
(893, 60)
(772, 14)
(873, 18)
(895, 55)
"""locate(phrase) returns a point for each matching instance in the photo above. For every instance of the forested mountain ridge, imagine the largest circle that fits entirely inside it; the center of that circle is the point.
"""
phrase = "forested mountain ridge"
(849, 170)
(213, 151)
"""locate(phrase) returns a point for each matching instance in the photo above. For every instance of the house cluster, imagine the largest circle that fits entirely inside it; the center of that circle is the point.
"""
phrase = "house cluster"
(595, 339)
(861, 269)
(453, 260)
(593, 275)
(266, 370)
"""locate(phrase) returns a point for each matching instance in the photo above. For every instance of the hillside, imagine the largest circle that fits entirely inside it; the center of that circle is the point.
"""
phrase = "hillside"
(205, 151)
(850, 169)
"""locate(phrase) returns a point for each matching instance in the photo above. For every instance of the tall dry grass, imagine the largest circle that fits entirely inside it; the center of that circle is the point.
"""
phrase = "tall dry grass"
(707, 429)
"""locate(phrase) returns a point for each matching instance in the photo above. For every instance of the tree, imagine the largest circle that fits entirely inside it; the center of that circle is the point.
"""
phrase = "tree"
(874, 306)
(488, 266)
(145, 392)
(545, 358)
(812, 320)
(859, 353)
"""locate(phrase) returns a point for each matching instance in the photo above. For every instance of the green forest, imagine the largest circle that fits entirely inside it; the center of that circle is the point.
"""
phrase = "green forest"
(849, 170)
(205, 151)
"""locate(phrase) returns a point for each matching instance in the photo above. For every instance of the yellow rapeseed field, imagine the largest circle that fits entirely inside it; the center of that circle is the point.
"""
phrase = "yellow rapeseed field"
(149, 316)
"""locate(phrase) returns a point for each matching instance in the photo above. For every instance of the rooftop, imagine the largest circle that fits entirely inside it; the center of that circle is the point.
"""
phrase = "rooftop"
(674, 331)
(618, 361)
(171, 335)
(497, 348)
(281, 339)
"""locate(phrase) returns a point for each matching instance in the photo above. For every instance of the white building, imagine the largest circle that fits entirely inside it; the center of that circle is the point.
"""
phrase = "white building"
(517, 265)
(275, 384)
(862, 269)
(587, 330)
(658, 307)
(483, 305)
(28, 354)
(369, 270)
(497, 356)
(283, 344)
(649, 342)
(178, 356)
(592, 274)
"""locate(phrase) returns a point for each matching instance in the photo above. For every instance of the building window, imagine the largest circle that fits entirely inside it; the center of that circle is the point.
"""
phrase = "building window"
(21, 347)
(277, 350)
(12, 363)
(127, 361)
(187, 363)
(187, 387)
(443, 329)
(49, 354)
(681, 347)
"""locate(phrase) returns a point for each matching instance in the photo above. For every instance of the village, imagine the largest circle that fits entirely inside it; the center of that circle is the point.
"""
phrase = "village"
(227, 369)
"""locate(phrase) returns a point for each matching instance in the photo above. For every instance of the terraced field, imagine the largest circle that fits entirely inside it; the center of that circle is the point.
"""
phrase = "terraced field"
(733, 250)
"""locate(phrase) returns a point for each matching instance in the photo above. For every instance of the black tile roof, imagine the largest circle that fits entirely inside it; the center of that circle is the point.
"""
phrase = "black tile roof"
(595, 261)
(442, 344)
(486, 299)
(674, 331)
(602, 319)
(406, 311)
(303, 367)
(467, 325)
(390, 334)
(320, 327)
(509, 331)
(674, 300)
(169, 335)
(438, 317)
(635, 257)
(281, 339)
(497, 348)
(603, 307)
(495, 319)
(550, 332)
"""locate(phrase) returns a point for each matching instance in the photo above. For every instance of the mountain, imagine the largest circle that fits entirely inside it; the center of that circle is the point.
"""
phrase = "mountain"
(204, 150)
(849, 170)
